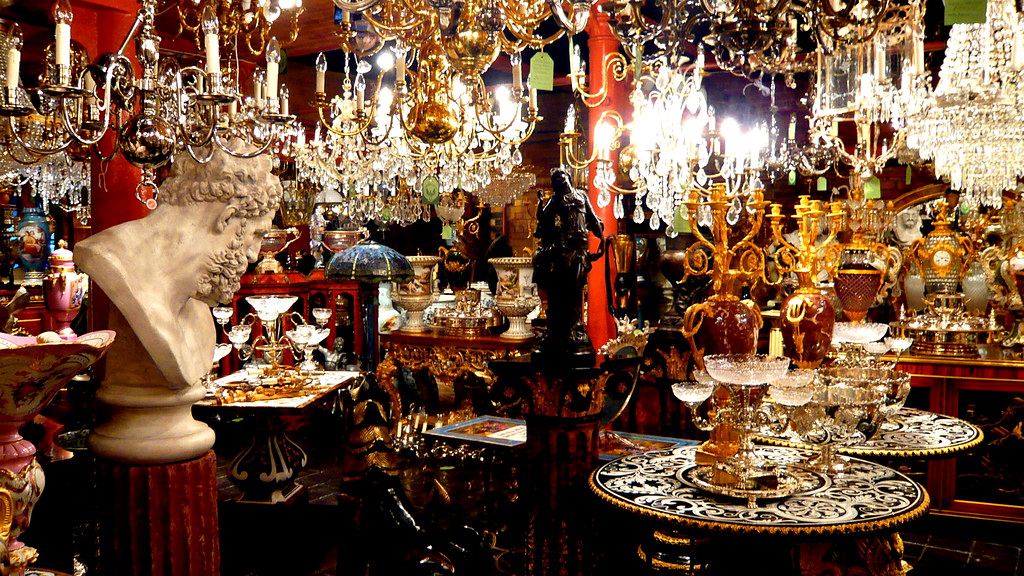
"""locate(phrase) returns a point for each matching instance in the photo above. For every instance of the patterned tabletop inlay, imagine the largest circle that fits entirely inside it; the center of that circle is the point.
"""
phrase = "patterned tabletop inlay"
(911, 433)
(867, 497)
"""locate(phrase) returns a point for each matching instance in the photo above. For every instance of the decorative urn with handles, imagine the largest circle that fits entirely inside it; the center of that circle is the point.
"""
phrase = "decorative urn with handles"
(64, 290)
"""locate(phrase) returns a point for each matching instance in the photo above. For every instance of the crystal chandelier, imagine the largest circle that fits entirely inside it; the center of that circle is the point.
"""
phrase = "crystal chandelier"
(56, 179)
(972, 129)
(746, 37)
(165, 109)
(677, 151)
(880, 85)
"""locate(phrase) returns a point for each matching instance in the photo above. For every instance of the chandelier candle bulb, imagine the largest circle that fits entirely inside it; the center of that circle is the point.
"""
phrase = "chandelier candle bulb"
(517, 73)
(284, 100)
(1018, 49)
(792, 129)
(62, 16)
(879, 67)
(918, 54)
(211, 30)
(273, 60)
(321, 73)
(14, 57)
(257, 86)
(400, 69)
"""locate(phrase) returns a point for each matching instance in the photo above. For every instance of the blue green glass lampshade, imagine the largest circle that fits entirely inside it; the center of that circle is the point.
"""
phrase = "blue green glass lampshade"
(371, 263)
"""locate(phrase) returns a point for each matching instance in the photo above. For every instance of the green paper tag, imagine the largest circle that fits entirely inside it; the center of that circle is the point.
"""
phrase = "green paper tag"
(873, 188)
(910, 173)
(822, 185)
(430, 190)
(792, 177)
(965, 12)
(446, 232)
(964, 208)
(542, 72)
(682, 225)
(385, 214)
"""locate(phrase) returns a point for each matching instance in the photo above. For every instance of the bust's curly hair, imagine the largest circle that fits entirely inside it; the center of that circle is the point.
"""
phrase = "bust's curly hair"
(247, 184)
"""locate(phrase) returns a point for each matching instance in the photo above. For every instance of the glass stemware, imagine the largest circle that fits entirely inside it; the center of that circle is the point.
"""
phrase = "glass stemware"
(321, 316)
(693, 393)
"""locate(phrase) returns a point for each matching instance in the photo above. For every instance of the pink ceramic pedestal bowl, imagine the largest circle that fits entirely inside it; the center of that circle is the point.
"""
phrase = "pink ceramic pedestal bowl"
(31, 373)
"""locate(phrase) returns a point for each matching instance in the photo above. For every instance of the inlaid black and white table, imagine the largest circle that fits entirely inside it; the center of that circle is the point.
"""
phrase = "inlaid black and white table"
(911, 433)
(867, 503)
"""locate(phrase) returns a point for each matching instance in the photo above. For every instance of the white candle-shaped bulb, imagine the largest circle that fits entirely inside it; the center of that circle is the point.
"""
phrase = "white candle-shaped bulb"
(273, 63)
(792, 128)
(346, 16)
(258, 83)
(321, 73)
(1017, 55)
(62, 16)
(517, 72)
(211, 40)
(284, 100)
(399, 67)
(880, 56)
(918, 55)
(14, 43)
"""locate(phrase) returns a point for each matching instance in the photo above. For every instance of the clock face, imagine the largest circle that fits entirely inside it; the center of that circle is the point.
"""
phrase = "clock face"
(942, 258)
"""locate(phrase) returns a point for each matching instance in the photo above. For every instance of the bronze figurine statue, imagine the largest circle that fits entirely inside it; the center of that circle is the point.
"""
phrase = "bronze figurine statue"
(561, 264)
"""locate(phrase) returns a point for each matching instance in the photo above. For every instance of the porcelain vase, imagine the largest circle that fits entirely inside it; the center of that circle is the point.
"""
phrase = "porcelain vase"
(33, 243)
(417, 295)
(64, 291)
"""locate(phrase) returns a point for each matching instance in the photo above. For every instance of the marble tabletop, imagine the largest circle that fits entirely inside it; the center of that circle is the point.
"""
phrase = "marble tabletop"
(867, 497)
(911, 433)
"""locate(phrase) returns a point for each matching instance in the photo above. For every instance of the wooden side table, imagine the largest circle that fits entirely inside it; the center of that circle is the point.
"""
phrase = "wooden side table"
(264, 470)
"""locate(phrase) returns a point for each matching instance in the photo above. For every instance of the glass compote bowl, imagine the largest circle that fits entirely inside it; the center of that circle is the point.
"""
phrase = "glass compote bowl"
(316, 336)
(270, 308)
(854, 337)
(793, 389)
(745, 474)
(837, 416)
(898, 345)
(894, 385)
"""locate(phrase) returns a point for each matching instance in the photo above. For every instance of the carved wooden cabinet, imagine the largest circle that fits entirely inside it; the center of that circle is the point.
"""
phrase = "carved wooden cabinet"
(348, 333)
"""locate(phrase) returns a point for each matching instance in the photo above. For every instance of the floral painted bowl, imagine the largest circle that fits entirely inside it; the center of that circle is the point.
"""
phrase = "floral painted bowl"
(32, 372)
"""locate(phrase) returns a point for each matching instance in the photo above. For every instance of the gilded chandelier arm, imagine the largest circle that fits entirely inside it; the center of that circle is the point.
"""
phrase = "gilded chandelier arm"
(614, 65)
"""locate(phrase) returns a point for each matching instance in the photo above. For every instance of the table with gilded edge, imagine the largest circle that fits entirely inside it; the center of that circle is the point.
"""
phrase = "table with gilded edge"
(264, 470)
(445, 358)
(860, 509)
(911, 433)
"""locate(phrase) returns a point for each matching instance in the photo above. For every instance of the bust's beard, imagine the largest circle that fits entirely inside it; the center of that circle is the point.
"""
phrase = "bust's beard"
(221, 280)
